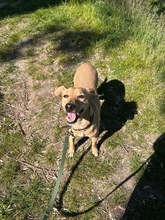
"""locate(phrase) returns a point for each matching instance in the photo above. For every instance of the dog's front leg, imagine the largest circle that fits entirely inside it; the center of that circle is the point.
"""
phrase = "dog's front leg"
(71, 146)
(94, 146)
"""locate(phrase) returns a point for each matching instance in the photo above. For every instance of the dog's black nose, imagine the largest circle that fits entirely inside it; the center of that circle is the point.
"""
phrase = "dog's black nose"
(70, 107)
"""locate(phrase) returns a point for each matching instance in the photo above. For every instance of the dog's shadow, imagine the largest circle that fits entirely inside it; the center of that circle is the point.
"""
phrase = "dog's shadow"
(115, 111)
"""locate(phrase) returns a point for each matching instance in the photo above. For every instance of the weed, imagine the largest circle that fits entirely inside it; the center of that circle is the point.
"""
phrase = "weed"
(51, 156)
(37, 145)
(9, 172)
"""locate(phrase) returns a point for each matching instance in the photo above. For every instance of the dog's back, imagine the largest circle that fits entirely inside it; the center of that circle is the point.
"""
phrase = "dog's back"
(86, 77)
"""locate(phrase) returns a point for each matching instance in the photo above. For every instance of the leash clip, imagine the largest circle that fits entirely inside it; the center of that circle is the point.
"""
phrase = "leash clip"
(64, 126)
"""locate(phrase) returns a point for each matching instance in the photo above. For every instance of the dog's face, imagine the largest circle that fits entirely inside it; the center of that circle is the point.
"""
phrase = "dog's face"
(75, 101)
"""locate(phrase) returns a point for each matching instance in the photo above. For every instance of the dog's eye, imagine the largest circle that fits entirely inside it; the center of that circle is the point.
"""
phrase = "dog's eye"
(65, 96)
(81, 96)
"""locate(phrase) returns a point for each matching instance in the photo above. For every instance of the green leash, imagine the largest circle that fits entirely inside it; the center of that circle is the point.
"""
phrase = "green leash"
(54, 194)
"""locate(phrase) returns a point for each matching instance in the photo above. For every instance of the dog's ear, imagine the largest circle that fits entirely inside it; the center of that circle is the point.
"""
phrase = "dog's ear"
(105, 80)
(91, 92)
(59, 91)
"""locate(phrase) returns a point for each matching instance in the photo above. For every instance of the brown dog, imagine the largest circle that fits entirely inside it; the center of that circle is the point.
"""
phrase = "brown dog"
(82, 106)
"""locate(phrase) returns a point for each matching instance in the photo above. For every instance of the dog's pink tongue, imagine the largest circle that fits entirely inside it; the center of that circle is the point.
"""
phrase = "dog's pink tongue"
(71, 117)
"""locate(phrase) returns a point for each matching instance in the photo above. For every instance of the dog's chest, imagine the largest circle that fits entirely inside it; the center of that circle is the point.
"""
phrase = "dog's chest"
(79, 133)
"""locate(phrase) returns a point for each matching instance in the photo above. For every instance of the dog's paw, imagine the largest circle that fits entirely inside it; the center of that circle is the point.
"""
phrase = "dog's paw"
(95, 152)
(70, 153)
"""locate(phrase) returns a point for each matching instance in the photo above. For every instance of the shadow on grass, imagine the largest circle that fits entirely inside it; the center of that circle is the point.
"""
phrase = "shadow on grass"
(18, 7)
(1, 97)
(72, 46)
(158, 6)
(148, 198)
(74, 214)
(115, 111)
(65, 187)
(1, 104)
(75, 44)
(73, 41)
(17, 50)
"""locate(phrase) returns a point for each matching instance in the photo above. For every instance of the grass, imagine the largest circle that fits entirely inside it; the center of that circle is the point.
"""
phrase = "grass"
(42, 44)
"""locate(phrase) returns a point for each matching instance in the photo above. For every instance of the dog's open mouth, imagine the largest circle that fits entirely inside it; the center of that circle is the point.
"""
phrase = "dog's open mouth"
(73, 116)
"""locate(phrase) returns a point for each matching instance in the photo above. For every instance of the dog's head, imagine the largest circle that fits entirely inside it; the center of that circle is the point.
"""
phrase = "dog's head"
(75, 101)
